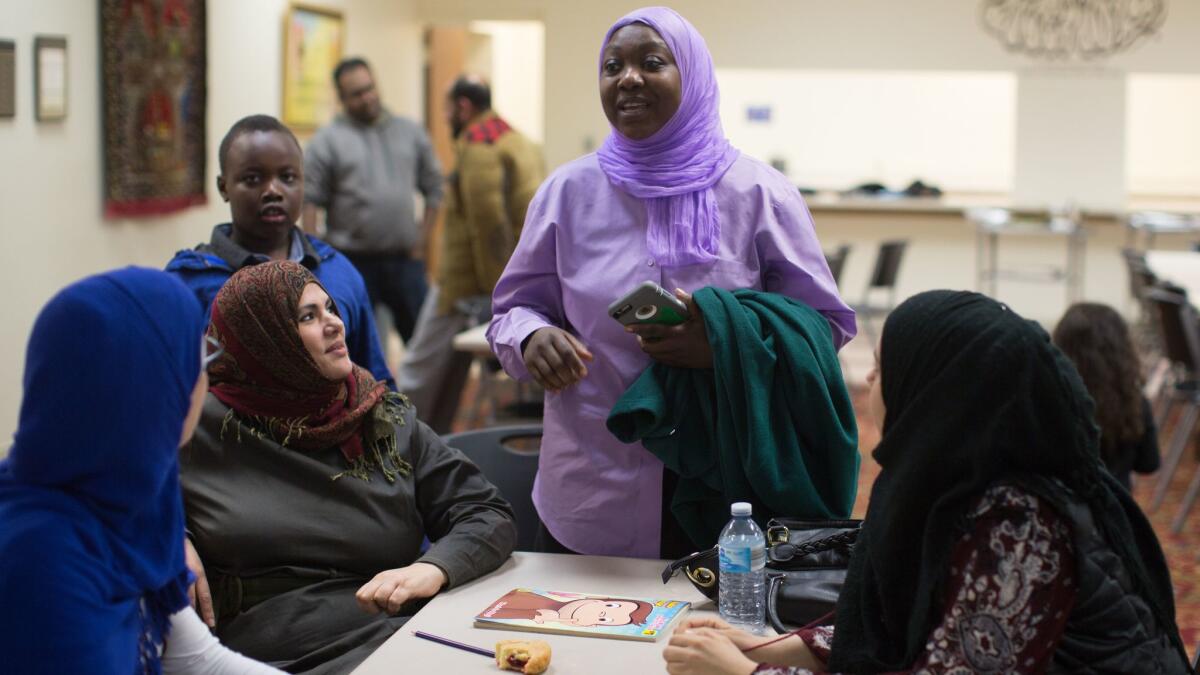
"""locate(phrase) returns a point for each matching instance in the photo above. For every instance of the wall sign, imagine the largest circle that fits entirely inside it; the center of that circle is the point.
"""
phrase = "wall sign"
(50, 78)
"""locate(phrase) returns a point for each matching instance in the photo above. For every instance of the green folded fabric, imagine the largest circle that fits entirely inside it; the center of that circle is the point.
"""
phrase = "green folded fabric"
(771, 423)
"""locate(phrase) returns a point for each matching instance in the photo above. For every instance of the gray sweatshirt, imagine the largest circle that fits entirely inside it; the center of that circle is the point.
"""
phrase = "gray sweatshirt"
(364, 176)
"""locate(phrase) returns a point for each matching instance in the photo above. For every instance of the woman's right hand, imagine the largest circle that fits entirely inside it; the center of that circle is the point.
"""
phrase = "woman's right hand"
(781, 652)
(705, 651)
(741, 638)
(555, 358)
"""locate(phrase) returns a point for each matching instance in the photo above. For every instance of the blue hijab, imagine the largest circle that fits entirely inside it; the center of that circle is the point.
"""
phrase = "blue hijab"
(91, 517)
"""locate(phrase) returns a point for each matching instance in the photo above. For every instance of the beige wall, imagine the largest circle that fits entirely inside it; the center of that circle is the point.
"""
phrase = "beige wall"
(1070, 138)
(51, 177)
(817, 34)
(516, 70)
(870, 35)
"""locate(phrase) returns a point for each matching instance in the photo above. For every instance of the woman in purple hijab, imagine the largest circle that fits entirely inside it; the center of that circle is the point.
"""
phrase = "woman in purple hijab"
(665, 199)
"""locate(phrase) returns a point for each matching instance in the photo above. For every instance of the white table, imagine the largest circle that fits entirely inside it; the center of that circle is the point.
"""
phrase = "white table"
(1181, 268)
(451, 614)
(474, 341)
(1149, 224)
(992, 223)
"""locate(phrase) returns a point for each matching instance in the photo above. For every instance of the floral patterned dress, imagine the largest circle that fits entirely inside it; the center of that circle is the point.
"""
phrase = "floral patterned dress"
(1010, 591)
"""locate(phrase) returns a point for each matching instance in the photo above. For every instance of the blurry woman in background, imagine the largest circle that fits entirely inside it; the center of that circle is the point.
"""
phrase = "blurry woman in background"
(1097, 341)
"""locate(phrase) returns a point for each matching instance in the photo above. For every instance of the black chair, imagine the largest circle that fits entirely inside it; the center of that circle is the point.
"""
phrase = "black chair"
(883, 278)
(1179, 333)
(837, 262)
(1141, 280)
(508, 457)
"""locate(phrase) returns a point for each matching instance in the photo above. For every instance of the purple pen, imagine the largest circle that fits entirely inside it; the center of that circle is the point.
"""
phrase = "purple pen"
(453, 643)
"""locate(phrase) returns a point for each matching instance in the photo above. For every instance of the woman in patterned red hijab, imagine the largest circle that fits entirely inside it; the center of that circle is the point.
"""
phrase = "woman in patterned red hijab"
(286, 375)
(307, 573)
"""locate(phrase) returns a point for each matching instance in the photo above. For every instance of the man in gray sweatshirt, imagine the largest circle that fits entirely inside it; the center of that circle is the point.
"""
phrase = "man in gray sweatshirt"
(362, 169)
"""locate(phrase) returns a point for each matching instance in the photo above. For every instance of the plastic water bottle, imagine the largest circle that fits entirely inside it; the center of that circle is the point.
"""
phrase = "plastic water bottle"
(743, 552)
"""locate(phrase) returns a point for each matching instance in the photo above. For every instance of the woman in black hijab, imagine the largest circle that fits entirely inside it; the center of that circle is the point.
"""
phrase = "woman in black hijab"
(994, 540)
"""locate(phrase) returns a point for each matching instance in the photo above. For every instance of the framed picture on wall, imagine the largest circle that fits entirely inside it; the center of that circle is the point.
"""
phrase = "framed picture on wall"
(312, 46)
(49, 78)
(8, 78)
(154, 98)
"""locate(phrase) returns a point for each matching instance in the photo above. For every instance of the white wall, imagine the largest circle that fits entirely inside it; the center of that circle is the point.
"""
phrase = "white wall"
(837, 128)
(51, 174)
(1162, 134)
(789, 34)
(518, 73)
(1071, 138)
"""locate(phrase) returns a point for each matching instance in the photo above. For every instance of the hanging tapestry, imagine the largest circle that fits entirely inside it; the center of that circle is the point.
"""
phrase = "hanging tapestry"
(155, 89)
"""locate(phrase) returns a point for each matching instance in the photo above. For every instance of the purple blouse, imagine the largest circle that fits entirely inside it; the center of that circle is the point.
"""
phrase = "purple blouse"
(584, 245)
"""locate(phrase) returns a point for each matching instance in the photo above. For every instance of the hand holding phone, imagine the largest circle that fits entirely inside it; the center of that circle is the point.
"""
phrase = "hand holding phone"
(648, 303)
(681, 345)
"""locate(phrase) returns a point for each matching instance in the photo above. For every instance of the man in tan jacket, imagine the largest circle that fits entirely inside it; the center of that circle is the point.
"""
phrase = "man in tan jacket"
(497, 171)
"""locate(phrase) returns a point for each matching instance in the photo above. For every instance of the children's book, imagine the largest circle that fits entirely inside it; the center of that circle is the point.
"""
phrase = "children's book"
(602, 616)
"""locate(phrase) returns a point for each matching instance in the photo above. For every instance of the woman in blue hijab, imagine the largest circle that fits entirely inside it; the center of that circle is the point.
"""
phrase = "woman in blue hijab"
(92, 573)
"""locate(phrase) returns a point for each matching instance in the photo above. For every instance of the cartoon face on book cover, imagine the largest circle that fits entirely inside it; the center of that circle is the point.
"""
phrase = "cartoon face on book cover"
(582, 613)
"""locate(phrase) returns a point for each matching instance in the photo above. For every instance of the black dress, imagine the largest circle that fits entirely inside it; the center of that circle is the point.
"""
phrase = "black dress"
(1140, 455)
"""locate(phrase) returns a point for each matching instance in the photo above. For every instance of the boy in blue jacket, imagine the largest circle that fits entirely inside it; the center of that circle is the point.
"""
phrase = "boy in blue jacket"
(262, 179)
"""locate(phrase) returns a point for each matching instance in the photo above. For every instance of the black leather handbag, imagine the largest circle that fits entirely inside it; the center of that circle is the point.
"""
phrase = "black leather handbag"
(806, 566)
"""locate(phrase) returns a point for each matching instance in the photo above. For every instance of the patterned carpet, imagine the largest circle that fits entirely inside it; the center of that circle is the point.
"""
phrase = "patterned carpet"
(1182, 550)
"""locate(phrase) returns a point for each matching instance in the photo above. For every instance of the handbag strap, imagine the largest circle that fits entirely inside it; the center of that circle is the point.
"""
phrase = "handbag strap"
(673, 568)
(784, 552)
(774, 583)
(845, 539)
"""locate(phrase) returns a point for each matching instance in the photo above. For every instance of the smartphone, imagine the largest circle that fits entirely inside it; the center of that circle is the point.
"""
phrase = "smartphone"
(649, 303)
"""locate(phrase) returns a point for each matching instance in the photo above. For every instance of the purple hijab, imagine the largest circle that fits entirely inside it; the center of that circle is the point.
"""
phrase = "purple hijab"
(675, 169)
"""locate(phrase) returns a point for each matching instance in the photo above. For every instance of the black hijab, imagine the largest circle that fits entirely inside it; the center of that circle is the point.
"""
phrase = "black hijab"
(974, 395)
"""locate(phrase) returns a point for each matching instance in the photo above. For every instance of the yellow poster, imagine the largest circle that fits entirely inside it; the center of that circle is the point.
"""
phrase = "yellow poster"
(312, 47)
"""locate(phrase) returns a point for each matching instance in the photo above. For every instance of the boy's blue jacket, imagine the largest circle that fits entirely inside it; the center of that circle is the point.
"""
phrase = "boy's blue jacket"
(205, 269)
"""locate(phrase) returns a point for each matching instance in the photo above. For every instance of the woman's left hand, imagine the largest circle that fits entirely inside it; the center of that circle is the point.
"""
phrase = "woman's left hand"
(392, 588)
(199, 593)
(683, 345)
(705, 651)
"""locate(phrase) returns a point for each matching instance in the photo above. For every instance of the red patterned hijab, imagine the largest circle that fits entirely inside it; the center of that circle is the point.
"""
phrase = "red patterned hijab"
(273, 387)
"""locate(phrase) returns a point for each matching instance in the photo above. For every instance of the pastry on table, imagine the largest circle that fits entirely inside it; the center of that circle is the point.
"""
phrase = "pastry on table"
(527, 656)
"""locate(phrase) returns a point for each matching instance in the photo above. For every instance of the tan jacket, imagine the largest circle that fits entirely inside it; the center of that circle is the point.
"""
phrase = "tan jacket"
(498, 171)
